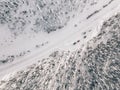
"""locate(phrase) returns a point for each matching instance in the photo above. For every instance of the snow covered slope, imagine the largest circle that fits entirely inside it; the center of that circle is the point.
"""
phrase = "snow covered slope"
(96, 66)
(85, 42)
(23, 22)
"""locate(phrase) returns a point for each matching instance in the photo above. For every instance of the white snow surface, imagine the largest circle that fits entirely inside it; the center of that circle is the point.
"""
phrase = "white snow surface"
(60, 40)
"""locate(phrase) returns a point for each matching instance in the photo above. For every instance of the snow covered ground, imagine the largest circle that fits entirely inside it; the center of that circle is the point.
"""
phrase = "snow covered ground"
(25, 49)
(14, 47)
(93, 67)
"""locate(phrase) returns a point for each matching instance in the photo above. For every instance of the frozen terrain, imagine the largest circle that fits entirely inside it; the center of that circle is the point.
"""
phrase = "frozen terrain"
(25, 26)
(59, 45)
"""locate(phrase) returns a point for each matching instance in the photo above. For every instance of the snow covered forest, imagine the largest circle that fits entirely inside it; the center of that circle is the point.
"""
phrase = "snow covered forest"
(47, 15)
(60, 45)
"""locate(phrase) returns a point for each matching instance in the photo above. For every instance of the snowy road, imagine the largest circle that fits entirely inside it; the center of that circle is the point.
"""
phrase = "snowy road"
(62, 42)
